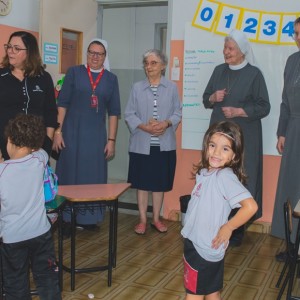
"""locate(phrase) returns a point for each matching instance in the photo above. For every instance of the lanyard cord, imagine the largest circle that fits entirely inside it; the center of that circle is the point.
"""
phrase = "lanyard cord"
(94, 83)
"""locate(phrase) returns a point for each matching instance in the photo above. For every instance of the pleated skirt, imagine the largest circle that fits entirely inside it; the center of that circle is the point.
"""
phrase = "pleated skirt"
(154, 172)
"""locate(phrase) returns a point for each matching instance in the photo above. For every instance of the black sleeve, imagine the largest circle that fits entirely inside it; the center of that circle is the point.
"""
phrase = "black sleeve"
(50, 108)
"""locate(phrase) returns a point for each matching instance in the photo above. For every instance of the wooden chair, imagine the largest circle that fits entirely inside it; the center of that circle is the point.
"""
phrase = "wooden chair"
(292, 251)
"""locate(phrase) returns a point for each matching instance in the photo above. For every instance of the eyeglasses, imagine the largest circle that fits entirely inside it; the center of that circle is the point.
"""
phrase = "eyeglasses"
(96, 54)
(151, 63)
(13, 48)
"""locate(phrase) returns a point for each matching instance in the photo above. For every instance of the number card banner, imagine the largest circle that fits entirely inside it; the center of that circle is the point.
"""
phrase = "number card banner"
(259, 26)
(287, 28)
(249, 24)
(228, 19)
(269, 28)
(207, 12)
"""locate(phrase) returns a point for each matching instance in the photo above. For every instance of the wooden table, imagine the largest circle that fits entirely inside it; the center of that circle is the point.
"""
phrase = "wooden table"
(93, 195)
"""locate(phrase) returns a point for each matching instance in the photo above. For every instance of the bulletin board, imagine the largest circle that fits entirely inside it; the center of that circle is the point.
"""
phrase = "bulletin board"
(270, 35)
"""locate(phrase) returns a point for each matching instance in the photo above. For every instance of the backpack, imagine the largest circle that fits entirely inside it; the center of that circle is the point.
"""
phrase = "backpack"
(50, 184)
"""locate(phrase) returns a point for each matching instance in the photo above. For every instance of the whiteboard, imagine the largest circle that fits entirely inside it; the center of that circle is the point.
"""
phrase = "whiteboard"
(203, 51)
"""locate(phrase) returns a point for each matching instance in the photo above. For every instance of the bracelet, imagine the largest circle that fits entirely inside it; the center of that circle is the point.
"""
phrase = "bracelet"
(113, 140)
(57, 132)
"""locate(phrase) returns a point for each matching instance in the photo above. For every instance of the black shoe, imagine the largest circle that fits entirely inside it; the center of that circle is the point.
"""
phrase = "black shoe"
(281, 256)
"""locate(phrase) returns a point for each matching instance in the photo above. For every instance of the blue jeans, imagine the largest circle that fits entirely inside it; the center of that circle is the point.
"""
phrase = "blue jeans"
(37, 253)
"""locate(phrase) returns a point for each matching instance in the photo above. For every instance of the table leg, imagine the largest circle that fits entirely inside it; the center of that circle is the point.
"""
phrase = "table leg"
(115, 233)
(60, 249)
(73, 228)
(110, 243)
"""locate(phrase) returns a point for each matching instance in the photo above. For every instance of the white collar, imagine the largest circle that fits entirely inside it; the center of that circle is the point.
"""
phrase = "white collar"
(238, 67)
(95, 71)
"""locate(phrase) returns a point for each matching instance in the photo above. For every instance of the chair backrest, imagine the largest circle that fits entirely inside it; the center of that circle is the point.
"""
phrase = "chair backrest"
(288, 225)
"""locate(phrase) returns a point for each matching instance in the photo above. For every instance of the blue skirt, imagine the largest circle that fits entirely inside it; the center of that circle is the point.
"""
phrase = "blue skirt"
(154, 172)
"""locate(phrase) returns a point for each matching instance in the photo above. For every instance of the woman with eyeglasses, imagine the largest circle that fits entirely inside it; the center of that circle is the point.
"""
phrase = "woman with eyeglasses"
(90, 92)
(152, 114)
(288, 144)
(25, 86)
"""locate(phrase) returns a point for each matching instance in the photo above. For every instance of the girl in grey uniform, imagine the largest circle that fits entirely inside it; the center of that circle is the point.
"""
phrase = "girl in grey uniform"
(219, 188)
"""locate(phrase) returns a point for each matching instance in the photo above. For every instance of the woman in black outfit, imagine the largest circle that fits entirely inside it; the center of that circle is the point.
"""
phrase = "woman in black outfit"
(25, 87)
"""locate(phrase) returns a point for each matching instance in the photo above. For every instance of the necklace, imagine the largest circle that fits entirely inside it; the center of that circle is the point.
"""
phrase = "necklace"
(229, 88)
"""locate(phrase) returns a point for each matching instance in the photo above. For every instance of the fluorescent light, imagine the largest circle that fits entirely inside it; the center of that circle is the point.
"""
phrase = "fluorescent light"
(104, 2)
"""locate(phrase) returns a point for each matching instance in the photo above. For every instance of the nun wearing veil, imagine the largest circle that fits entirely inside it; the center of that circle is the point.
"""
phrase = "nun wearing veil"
(89, 95)
(237, 92)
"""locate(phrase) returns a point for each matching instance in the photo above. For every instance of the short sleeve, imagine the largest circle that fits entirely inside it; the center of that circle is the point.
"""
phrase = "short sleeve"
(231, 188)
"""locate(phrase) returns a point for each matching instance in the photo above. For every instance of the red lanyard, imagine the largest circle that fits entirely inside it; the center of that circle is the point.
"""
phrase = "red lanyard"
(94, 84)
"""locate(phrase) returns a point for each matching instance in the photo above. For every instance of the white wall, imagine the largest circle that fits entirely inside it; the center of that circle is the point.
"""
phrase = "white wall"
(24, 14)
(130, 32)
(48, 16)
(71, 14)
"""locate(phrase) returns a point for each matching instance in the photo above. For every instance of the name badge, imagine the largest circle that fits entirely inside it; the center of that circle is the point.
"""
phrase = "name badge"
(94, 101)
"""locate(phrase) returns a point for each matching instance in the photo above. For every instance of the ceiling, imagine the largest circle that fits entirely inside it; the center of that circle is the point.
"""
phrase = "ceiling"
(124, 3)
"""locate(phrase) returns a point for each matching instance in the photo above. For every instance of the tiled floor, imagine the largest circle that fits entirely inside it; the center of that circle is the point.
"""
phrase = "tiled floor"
(150, 266)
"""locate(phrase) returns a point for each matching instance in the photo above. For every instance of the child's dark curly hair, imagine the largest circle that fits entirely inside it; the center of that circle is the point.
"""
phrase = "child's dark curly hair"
(26, 131)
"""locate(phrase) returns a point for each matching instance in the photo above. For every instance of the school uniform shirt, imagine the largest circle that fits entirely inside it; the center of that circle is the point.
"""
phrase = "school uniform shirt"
(216, 192)
(33, 95)
(23, 213)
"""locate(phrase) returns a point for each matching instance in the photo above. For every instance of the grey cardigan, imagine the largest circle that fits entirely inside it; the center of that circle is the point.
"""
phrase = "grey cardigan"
(139, 110)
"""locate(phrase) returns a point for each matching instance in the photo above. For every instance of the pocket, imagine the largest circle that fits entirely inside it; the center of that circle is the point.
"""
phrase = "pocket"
(190, 277)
